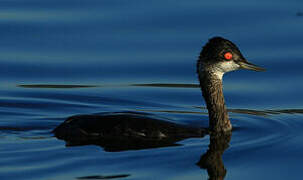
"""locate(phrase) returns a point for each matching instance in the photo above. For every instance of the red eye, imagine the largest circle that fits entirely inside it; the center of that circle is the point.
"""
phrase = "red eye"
(228, 56)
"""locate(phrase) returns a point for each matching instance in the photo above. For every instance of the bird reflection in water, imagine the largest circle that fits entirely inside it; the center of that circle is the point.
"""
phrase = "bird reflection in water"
(212, 159)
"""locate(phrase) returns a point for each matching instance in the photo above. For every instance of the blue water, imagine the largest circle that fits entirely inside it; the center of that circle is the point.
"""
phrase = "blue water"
(114, 47)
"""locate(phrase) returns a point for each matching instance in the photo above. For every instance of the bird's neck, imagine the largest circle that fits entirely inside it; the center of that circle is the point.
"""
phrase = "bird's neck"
(212, 91)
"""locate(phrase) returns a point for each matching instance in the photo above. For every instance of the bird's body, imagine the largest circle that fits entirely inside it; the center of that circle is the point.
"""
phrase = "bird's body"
(217, 57)
(124, 131)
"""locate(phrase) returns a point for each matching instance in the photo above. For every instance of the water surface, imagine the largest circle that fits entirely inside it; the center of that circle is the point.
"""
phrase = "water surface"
(63, 58)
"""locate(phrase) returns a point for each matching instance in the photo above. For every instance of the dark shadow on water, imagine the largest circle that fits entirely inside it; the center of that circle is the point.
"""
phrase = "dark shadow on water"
(55, 86)
(299, 14)
(266, 112)
(103, 177)
(168, 85)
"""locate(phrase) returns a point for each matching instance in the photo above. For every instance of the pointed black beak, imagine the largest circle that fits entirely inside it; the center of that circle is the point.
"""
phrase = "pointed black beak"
(247, 65)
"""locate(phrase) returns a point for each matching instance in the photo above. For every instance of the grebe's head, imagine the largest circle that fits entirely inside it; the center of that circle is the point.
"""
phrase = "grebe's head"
(220, 55)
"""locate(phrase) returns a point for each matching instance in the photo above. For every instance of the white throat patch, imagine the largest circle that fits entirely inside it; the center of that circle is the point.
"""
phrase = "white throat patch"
(223, 67)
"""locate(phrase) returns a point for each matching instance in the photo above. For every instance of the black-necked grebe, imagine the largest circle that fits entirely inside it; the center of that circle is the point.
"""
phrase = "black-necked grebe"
(129, 130)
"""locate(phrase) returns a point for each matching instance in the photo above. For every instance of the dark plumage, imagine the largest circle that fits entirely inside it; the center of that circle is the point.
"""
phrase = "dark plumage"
(123, 131)
(214, 51)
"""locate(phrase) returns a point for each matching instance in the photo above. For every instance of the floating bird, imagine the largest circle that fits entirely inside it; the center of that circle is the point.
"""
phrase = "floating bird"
(132, 130)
